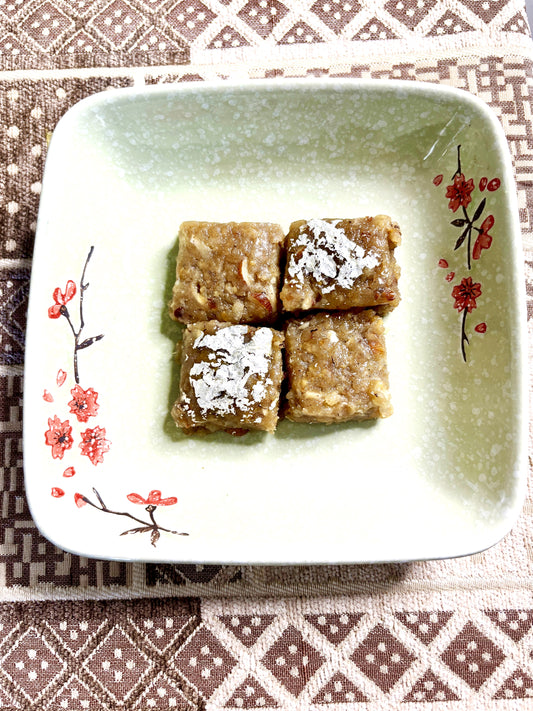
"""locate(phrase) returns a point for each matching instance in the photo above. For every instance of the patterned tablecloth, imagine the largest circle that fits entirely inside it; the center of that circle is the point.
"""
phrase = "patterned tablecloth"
(87, 634)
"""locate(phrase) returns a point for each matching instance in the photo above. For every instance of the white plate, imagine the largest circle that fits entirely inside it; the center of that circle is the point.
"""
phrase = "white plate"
(444, 476)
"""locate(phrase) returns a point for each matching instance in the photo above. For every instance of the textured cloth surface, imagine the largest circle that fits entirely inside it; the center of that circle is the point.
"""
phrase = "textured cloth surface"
(75, 632)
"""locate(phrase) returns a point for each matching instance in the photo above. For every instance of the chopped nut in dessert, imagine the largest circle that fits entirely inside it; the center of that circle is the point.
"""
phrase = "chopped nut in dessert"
(227, 272)
(230, 378)
(336, 367)
(341, 264)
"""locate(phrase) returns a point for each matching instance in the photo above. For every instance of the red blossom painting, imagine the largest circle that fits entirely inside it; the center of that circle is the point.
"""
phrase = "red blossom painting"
(59, 308)
(58, 436)
(459, 193)
(61, 300)
(475, 237)
(154, 498)
(465, 295)
(84, 403)
(94, 444)
(81, 403)
(484, 240)
(151, 502)
(64, 431)
(80, 500)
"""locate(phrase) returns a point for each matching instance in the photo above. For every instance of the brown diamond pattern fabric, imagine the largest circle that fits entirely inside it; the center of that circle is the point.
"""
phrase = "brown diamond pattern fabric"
(449, 24)
(204, 661)
(486, 10)
(32, 665)
(118, 23)
(118, 665)
(64, 33)
(292, 660)
(374, 30)
(300, 32)
(473, 656)
(251, 695)
(339, 690)
(382, 657)
(96, 655)
(518, 686)
(336, 14)
(515, 623)
(6, 701)
(162, 693)
(247, 628)
(263, 15)
(162, 631)
(74, 696)
(11, 46)
(11, 9)
(90, 655)
(80, 43)
(425, 625)
(409, 12)
(190, 18)
(517, 23)
(46, 24)
(334, 627)
(75, 634)
(154, 39)
(228, 37)
(431, 688)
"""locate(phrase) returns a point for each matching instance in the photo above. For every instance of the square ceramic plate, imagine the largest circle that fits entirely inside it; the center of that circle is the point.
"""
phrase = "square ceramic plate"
(444, 476)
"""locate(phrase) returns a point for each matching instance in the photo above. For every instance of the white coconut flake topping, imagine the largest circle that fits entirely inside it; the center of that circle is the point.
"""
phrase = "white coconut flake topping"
(328, 255)
(221, 384)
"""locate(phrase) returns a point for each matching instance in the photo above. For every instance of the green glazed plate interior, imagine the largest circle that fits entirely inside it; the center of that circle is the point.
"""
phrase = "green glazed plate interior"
(444, 476)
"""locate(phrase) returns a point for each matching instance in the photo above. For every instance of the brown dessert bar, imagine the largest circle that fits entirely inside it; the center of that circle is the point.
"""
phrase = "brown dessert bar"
(230, 378)
(341, 264)
(336, 367)
(227, 272)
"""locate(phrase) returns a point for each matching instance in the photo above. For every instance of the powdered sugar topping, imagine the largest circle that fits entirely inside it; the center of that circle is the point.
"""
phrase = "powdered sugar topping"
(328, 256)
(221, 384)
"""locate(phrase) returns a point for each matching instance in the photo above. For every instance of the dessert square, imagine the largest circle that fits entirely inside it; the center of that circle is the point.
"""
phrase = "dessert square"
(336, 366)
(341, 264)
(230, 378)
(227, 272)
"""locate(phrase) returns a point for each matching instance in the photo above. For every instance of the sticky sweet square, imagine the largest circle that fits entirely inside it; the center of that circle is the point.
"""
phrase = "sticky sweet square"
(336, 367)
(230, 378)
(341, 264)
(227, 272)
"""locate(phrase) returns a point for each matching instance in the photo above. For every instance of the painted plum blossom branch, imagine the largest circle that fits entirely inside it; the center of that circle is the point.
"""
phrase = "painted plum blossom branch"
(152, 501)
(459, 194)
(465, 295)
(59, 308)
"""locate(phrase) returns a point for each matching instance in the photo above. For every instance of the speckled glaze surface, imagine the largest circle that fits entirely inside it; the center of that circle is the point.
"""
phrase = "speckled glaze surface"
(444, 476)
